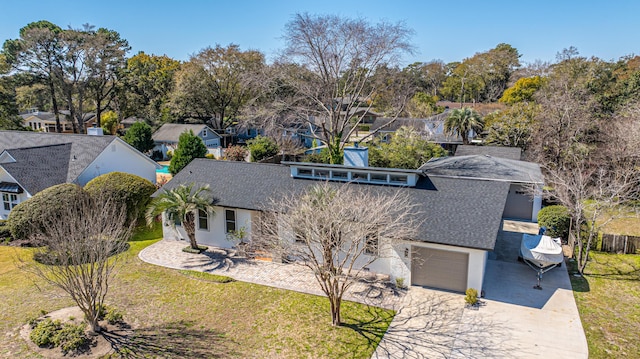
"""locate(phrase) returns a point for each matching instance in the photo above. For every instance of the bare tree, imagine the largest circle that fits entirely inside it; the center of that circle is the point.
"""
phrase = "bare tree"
(337, 232)
(77, 251)
(328, 64)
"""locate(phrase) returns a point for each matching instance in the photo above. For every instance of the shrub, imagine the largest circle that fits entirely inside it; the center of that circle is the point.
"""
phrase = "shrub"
(139, 137)
(44, 332)
(169, 154)
(124, 189)
(35, 212)
(210, 156)
(5, 233)
(556, 219)
(471, 297)
(235, 153)
(190, 146)
(262, 147)
(400, 282)
(70, 338)
(110, 314)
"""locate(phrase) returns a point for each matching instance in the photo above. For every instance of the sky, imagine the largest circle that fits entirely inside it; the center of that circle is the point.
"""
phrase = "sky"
(445, 30)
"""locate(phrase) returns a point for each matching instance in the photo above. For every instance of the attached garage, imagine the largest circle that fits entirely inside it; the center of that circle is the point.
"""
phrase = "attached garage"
(440, 269)
(519, 203)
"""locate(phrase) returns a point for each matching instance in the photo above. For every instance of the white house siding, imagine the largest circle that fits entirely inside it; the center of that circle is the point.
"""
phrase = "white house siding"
(5, 177)
(119, 157)
(215, 235)
(400, 266)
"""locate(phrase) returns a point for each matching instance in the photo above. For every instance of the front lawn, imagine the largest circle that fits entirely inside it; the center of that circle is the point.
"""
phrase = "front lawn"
(608, 299)
(183, 315)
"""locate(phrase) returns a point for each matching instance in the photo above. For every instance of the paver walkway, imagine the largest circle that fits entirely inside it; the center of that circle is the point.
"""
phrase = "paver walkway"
(168, 253)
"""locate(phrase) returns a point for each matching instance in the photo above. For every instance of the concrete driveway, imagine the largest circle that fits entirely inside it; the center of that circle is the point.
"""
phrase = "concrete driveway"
(514, 320)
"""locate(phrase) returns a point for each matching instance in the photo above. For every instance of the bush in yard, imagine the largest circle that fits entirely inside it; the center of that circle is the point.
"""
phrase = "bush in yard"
(44, 332)
(556, 219)
(70, 337)
(36, 211)
(125, 189)
(190, 146)
(5, 233)
(235, 153)
(471, 297)
(139, 137)
(262, 147)
(50, 333)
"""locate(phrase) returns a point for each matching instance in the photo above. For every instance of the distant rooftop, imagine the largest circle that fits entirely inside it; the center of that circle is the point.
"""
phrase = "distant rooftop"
(512, 153)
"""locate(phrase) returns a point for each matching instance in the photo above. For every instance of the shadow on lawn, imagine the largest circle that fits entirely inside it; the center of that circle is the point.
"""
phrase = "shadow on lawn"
(172, 340)
(614, 267)
(578, 282)
(372, 329)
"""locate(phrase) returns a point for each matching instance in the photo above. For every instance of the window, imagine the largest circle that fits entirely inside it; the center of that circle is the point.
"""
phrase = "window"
(359, 176)
(204, 133)
(378, 177)
(9, 200)
(322, 173)
(398, 179)
(203, 220)
(230, 220)
(339, 175)
(304, 172)
(371, 245)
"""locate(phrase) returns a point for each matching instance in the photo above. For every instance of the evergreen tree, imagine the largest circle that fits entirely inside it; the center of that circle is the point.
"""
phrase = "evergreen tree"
(139, 136)
(190, 146)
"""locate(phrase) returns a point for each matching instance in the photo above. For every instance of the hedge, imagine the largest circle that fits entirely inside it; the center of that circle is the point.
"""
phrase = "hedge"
(37, 211)
(556, 219)
(124, 189)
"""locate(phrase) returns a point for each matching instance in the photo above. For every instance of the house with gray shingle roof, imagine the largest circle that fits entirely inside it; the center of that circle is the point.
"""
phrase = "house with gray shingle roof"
(167, 136)
(459, 217)
(512, 153)
(525, 179)
(33, 161)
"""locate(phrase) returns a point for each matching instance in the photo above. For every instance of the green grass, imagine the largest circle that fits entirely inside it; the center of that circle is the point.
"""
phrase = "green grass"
(608, 299)
(207, 276)
(178, 314)
(145, 233)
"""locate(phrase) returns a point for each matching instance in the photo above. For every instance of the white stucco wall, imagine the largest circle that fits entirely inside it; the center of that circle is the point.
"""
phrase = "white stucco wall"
(216, 234)
(118, 156)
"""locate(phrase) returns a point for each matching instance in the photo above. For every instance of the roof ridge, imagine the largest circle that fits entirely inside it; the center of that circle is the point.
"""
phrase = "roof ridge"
(38, 146)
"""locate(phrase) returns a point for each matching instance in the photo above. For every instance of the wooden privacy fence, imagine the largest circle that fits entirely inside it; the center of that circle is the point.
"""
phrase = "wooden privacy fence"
(620, 244)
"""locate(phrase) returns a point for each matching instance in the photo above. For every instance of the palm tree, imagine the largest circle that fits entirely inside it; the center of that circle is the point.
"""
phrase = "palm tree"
(182, 203)
(463, 120)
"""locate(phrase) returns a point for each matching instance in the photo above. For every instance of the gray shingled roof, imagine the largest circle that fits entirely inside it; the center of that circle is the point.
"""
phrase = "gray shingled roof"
(36, 174)
(38, 150)
(484, 167)
(460, 212)
(512, 153)
(170, 132)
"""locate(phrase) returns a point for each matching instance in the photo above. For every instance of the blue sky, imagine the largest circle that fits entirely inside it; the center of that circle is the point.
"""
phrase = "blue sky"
(444, 30)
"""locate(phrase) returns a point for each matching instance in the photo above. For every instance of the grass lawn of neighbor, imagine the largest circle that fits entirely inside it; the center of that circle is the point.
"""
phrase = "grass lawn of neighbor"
(608, 299)
(179, 314)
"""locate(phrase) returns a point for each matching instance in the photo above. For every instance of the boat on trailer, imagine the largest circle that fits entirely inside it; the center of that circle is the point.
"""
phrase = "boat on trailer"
(542, 253)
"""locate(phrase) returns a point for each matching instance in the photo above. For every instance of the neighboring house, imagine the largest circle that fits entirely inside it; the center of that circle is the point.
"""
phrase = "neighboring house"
(431, 128)
(511, 153)
(459, 217)
(128, 122)
(166, 137)
(525, 178)
(31, 162)
(43, 121)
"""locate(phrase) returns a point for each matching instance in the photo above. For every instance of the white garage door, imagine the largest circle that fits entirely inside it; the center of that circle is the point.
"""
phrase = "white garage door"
(439, 269)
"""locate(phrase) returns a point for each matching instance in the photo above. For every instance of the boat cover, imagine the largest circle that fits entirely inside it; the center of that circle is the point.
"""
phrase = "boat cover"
(543, 251)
